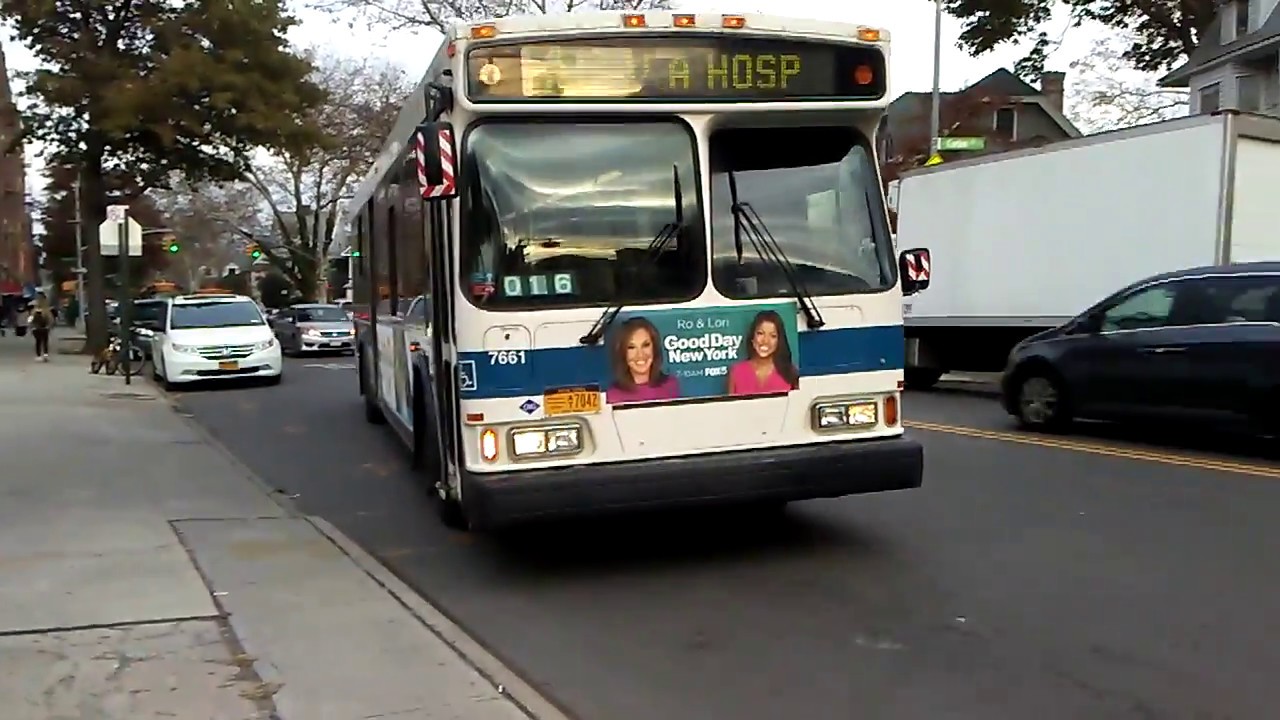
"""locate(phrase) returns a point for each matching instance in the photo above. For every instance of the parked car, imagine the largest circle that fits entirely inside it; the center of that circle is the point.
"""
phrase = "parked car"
(209, 336)
(1199, 345)
(314, 327)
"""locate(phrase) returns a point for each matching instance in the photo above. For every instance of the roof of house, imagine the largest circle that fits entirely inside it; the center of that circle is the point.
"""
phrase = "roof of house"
(1002, 82)
(1212, 51)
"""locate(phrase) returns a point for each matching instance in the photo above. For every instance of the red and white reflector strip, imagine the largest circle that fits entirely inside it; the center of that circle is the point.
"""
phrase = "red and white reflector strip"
(446, 184)
(917, 266)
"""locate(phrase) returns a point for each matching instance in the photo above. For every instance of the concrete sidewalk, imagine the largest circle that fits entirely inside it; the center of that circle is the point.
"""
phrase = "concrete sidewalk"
(145, 574)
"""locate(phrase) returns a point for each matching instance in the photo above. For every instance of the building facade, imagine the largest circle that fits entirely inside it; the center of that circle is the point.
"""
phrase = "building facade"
(1237, 63)
(17, 266)
(1000, 111)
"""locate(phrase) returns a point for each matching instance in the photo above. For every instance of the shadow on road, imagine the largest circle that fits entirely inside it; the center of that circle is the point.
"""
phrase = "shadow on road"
(637, 541)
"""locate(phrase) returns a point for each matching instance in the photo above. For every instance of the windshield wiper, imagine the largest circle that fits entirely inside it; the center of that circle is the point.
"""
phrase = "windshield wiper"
(746, 221)
(656, 247)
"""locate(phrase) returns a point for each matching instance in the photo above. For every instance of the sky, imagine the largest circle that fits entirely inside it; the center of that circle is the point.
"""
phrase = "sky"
(910, 24)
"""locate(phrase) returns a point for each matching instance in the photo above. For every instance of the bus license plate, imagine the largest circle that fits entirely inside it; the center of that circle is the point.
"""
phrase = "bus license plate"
(228, 365)
(571, 401)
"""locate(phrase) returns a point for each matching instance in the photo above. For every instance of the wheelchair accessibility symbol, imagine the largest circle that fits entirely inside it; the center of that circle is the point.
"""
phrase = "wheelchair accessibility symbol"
(467, 375)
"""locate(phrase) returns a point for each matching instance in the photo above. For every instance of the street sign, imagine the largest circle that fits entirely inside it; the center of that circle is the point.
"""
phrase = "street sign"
(109, 237)
(962, 143)
(117, 213)
(934, 159)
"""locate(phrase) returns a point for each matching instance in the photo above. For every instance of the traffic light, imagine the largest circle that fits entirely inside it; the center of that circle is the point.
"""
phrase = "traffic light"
(355, 253)
(255, 252)
(173, 247)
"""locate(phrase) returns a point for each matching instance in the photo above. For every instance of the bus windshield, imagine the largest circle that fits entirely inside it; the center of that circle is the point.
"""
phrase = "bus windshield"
(817, 192)
(563, 214)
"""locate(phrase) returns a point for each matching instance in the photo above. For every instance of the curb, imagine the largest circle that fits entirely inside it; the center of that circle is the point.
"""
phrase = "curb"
(471, 652)
(510, 685)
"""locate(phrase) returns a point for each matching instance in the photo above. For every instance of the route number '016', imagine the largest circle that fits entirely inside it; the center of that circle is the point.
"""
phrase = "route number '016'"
(507, 357)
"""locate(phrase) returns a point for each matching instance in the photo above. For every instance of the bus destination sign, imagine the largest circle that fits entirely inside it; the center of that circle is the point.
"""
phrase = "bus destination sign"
(676, 69)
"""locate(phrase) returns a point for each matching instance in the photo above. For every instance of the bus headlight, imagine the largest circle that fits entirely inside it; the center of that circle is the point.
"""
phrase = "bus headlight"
(546, 441)
(849, 414)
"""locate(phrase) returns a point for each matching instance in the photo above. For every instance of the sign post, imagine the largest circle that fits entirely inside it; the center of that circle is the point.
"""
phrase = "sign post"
(117, 236)
(126, 305)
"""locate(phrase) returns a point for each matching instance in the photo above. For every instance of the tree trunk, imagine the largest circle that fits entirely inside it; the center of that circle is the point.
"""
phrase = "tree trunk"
(92, 213)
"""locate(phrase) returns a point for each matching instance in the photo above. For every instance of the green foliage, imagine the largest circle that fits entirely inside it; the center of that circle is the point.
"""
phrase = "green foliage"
(148, 87)
(439, 15)
(1164, 32)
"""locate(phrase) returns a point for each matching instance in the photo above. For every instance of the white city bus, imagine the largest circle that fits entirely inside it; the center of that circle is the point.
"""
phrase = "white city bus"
(613, 261)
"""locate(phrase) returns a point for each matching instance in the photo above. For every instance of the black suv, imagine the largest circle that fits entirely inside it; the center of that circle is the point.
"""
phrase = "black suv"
(1198, 345)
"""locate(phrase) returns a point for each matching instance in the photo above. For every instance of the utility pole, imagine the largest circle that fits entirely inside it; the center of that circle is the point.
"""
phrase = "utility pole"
(935, 116)
(80, 271)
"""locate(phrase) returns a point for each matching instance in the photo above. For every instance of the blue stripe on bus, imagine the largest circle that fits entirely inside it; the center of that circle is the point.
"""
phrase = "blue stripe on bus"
(822, 352)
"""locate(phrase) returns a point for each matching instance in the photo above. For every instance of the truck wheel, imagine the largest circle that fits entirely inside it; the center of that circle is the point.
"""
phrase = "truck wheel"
(1042, 402)
(921, 378)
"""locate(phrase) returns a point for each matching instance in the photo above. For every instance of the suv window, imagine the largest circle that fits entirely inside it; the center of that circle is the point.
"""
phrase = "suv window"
(1148, 308)
(1247, 298)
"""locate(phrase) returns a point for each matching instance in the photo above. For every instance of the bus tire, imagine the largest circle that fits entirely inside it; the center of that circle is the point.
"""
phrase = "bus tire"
(451, 513)
(372, 413)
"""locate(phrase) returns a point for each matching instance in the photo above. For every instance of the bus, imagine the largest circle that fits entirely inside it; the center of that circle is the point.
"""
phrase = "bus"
(615, 261)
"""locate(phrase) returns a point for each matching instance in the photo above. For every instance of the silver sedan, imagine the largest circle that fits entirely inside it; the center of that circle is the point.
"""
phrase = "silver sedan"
(314, 328)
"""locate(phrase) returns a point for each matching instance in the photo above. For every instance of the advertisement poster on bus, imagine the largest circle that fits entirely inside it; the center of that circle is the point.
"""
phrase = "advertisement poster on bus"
(665, 355)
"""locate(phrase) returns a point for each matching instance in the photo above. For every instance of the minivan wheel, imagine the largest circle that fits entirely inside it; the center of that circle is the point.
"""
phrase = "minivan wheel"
(1042, 403)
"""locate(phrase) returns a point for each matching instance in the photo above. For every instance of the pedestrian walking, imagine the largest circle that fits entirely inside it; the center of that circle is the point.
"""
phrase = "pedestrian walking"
(41, 322)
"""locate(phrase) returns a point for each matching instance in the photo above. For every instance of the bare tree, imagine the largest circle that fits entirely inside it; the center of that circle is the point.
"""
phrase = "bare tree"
(211, 223)
(440, 14)
(1108, 93)
(301, 191)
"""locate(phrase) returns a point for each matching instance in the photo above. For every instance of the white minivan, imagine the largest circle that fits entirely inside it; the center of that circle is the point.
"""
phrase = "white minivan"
(207, 337)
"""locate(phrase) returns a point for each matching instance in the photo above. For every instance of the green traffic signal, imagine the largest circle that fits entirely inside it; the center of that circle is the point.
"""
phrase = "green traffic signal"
(173, 247)
(355, 253)
(256, 254)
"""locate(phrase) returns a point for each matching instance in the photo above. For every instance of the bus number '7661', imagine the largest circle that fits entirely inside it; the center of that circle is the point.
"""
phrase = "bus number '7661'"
(507, 357)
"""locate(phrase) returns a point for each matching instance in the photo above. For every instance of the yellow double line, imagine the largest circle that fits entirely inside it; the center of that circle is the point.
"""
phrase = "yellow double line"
(1100, 449)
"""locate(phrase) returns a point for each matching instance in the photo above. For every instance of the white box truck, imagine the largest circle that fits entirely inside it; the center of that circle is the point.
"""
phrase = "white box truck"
(1024, 241)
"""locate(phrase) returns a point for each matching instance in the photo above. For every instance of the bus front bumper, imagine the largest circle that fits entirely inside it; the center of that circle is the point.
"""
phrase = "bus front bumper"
(826, 470)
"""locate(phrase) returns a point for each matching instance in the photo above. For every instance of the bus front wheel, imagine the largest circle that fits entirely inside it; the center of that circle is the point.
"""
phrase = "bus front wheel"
(372, 413)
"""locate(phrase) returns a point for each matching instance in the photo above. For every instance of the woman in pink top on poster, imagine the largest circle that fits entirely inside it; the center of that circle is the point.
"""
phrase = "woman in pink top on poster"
(768, 369)
(637, 365)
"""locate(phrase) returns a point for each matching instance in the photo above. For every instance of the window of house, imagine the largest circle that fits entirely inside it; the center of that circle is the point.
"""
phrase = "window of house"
(1249, 93)
(1210, 99)
(1242, 18)
(1005, 123)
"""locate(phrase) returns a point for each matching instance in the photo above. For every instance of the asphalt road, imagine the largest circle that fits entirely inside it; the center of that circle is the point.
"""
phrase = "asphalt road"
(1090, 577)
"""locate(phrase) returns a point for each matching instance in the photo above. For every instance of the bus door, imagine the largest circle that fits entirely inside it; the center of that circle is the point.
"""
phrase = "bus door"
(444, 375)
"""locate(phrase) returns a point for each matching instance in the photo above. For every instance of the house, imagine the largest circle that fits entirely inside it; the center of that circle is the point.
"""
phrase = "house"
(1002, 109)
(1237, 63)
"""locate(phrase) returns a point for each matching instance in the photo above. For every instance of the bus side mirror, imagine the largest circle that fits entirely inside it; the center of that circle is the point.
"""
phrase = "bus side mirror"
(914, 267)
(434, 155)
